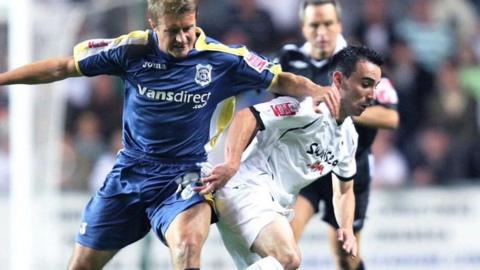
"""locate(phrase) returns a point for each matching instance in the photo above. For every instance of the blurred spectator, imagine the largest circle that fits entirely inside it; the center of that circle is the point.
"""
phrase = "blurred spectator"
(106, 103)
(414, 85)
(105, 162)
(213, 16)
(87, 140)
(450, 107)
(256, 25)
(459, 14)
(71, 167)
(102, 97)
(390, 168)
(431, 41)
(434, 157)
(80, 152)
(375, 28)
(285, 21)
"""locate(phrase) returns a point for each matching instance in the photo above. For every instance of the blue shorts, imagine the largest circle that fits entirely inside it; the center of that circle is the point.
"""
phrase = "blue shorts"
(138, 194)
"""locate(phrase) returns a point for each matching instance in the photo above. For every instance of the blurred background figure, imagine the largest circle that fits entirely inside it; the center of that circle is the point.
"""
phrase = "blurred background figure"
(390, 166)
(251, 25)
(105, 161)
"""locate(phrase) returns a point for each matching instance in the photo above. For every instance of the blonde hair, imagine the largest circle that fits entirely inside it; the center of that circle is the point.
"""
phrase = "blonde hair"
(158, 8)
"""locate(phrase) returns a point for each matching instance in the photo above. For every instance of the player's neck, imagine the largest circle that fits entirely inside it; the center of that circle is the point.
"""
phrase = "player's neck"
(341, 117)
(318, 55)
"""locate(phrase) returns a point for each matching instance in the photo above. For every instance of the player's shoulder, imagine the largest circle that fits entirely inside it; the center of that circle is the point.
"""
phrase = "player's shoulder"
(93, 46)
(280, 106)
(208, 44)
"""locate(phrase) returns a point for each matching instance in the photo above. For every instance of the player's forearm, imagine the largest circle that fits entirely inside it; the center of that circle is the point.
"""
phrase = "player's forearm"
(378, 117)
(45, 71)
(240, 133)
(344, 205)
(289, 84)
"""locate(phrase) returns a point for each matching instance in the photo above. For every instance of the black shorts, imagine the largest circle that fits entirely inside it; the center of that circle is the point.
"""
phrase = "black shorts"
(321, 190)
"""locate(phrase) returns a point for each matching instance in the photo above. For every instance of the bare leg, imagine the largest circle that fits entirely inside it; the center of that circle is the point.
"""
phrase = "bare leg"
(187, 234)
(342, 259)
(277, 240)
(304, 211)
(85, 258)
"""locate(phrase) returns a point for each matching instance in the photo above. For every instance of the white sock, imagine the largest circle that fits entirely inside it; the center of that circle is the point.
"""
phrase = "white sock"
(267, 263)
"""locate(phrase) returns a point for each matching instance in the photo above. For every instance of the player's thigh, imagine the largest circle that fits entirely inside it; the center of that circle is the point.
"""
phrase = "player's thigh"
(88, 258)
(276, 239)
(190, 225)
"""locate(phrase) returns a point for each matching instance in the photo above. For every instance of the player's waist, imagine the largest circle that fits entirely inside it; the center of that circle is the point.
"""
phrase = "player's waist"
(163, 158)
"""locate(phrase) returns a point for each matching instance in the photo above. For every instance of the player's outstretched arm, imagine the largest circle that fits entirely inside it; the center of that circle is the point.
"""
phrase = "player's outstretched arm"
(244, 126)
(289, 84)
(378, 116)
(344, 208)
(44, 71)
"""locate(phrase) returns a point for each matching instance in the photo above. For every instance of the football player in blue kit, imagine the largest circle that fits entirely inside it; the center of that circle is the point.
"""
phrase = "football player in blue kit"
(179, 95)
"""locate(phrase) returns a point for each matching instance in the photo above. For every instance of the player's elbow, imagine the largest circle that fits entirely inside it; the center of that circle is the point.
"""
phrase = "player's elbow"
(394, 121)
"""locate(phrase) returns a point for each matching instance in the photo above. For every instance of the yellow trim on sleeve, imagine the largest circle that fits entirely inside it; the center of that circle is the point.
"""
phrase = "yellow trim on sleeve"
(84, 49)
(275, 69)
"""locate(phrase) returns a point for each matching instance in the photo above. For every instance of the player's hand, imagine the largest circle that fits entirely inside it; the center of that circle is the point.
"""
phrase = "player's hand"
(349, 242)
(217, 178)
(330, 95)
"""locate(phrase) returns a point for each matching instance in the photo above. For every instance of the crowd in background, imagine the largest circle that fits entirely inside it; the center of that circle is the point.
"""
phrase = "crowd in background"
(432, 51)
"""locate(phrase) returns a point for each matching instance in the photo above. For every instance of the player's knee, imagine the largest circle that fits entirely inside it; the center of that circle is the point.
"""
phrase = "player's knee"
(289, 260)
(349, 263)
(188, 247)
(84, 265)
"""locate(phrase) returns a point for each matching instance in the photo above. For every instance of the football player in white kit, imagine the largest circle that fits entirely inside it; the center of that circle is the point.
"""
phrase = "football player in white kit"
(292, 146)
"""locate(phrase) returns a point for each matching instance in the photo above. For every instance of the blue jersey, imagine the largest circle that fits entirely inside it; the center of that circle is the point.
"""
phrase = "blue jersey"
(173, 107)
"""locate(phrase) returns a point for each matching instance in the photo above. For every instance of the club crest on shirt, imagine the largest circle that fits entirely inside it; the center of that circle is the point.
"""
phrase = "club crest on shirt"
(203, 77)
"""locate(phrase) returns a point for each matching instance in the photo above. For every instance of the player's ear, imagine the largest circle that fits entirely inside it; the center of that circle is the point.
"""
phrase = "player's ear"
(337, 79)
(153, 25)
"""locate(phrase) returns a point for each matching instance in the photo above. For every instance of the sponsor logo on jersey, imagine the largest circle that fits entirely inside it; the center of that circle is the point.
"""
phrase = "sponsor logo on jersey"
(323, 155)
(203, 77)
(317, 167)
(256, 62)
(97, 43)
(150, 65)
(198, 100)
(284, 109)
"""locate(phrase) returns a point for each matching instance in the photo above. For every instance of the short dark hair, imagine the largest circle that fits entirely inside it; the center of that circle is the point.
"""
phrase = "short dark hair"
(346, 59)
(306, 3)
(158, 8)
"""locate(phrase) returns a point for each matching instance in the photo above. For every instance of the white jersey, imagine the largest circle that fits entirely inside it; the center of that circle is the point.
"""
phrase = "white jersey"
(296, 146)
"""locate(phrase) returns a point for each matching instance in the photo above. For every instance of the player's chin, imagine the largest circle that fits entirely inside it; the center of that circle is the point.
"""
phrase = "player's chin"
(179, 53)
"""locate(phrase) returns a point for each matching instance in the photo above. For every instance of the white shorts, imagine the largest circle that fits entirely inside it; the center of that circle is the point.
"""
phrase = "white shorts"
(244, 207)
